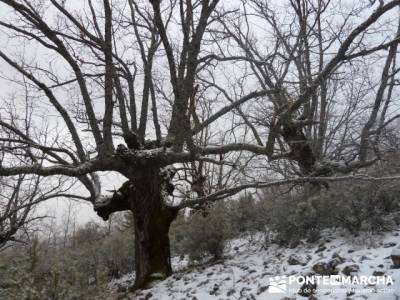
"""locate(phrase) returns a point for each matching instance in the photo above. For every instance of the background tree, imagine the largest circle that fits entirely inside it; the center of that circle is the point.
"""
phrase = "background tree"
(242, 85)
(19, 196)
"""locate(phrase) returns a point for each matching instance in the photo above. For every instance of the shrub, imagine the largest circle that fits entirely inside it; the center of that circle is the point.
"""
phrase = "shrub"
(201, 236)
(353, 206)
(363, 206)
(296, 216)
(78, 270)
(246, 216)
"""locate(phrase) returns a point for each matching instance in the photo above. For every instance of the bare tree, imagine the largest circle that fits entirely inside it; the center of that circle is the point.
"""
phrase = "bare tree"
(15, 209)
(19, 197)
(188, 83)
(22, 193)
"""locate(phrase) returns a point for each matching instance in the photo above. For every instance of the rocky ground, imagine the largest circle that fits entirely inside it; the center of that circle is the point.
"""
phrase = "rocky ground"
(249, 271)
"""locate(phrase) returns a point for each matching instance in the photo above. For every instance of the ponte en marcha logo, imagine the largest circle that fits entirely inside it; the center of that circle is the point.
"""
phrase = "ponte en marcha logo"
(284, 284)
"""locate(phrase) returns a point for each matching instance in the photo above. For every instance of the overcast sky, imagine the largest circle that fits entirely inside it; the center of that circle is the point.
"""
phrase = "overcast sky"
(84, 212)
(57, 208)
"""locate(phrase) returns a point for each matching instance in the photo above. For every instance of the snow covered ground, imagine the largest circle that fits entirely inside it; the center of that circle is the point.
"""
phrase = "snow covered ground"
(248, 269)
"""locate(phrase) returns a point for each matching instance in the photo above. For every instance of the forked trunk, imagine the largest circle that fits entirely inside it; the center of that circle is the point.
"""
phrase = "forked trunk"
(152, 220)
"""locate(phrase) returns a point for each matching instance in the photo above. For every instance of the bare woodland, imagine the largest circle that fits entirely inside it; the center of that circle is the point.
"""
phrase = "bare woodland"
(192, 102)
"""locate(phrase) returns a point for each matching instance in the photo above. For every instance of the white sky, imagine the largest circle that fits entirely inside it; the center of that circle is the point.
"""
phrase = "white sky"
(83, 211)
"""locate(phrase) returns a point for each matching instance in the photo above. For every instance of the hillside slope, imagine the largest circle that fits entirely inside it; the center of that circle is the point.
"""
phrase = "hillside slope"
(248, 269)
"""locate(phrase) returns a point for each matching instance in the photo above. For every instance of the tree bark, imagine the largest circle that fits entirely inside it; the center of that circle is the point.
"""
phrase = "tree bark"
(146, 195)
(152, 219)
(300, 148)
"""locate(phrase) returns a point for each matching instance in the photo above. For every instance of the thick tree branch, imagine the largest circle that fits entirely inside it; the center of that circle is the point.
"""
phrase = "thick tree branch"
(219, 195)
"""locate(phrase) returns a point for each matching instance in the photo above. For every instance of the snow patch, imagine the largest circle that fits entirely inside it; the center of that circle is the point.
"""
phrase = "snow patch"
(248, 269)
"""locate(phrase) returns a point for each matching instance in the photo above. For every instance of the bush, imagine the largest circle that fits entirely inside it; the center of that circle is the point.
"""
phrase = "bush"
(353, 206)
(295, 216)
(360, 207)
(79, 269)
(246, 216)
(199, 235)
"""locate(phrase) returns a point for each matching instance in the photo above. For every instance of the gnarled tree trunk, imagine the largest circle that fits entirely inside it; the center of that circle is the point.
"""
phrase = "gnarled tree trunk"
(152, 219)
(146, 197)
